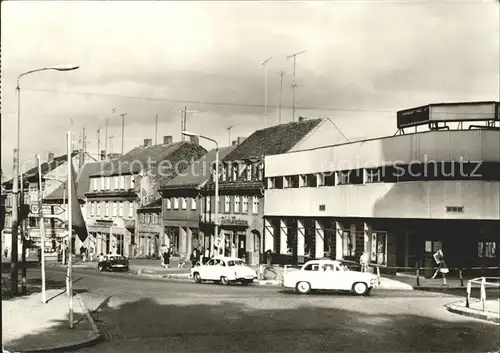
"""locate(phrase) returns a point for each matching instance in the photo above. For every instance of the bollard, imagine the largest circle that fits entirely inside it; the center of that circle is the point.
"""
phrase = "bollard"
(378, 275)
(461, 278)
(467, 297)
(418, 274)
(483, 293)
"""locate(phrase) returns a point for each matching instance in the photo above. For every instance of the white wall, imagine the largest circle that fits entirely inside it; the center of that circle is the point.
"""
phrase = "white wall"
(473, 145)
(427, 199)
(325, 134)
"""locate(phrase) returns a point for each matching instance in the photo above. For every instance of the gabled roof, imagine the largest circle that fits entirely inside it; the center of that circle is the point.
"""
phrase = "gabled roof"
(144, 158)
(273, 140)
(46, 167)
(198, 172)
(82, 181)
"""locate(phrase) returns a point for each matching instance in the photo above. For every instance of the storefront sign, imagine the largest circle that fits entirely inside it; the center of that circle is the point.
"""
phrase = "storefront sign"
(105, 223)
(233, 221)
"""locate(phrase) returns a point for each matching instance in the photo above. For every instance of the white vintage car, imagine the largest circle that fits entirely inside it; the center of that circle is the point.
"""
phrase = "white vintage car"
(224, 270)
(329, 275)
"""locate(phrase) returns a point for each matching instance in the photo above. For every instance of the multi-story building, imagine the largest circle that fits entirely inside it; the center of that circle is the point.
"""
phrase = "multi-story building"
(127, 183)
(181, 204)
(400, 198)
(54, 172)
(241, 181)
(56, 227)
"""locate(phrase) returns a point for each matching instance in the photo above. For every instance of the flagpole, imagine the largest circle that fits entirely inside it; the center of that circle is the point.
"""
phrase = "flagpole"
(42, 228)
(70, 231)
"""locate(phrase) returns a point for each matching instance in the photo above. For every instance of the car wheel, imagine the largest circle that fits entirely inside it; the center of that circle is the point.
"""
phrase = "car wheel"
(197, 277)
(224, 280)
(303, 287)
(360, 288)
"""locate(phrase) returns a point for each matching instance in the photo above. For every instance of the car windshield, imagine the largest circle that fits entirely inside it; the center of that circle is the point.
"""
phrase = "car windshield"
(235, 263)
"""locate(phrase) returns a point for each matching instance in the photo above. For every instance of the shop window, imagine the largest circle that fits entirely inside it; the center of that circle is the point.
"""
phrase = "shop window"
(486, 249)
(379, 248)
(347, 245)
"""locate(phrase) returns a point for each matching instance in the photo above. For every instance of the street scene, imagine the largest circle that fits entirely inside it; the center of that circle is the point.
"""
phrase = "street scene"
(250, 176)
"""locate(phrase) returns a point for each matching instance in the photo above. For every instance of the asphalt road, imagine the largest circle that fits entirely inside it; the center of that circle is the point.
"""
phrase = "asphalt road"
(143, 315)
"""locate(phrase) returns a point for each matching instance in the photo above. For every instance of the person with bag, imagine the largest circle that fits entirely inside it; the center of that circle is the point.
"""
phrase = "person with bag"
(442, 267)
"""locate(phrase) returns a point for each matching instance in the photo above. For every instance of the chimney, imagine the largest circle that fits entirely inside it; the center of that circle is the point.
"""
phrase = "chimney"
(233, 143)
(50, 157)
(195, 140)
(167, 140)
(301, 118)
(240, 140)
(148, 142)
(103, 155)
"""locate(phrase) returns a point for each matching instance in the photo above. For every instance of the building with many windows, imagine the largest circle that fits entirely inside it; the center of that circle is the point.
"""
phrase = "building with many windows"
(241, 179)
(181, 204)
(400, 198)
(128, 183)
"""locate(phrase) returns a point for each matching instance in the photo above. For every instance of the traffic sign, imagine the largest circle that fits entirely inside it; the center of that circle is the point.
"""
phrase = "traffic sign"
(47, 209)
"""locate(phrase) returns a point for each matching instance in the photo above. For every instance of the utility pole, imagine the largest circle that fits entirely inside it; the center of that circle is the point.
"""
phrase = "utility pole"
(229, 134)
(184, 119)
(15, 224)
(294, 85)
(98, 144)
(265, 88)
(123, 127)
(106, 140)
(281, 94)
(110, 144)
(156, 129)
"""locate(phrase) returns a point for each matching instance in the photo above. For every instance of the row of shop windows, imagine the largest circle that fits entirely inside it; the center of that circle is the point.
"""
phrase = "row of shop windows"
(112, 208)
(112, 183)
(486, 249)
(234, 204)
(489, 171)
(181, 203)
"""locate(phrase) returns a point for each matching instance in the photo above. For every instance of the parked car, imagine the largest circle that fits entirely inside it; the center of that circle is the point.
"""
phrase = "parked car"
(113, 263)
(329, 275)
(224, 270)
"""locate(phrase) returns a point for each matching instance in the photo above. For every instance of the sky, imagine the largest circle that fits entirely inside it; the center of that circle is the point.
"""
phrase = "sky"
(363, 61)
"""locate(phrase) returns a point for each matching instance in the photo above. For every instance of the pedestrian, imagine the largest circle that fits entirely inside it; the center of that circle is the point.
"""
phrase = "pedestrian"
(442, 267)
(207, 255)
(166, 258)
(194, 257)
(363, 261)
(6, 252)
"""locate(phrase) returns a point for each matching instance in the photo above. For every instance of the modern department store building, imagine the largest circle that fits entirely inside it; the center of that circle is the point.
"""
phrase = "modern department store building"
(434, 185)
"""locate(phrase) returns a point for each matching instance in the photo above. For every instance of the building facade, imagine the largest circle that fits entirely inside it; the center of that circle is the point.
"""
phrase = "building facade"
(181, 205)
(150, 228)
(125, 185)
(399, 198)
(241, 186)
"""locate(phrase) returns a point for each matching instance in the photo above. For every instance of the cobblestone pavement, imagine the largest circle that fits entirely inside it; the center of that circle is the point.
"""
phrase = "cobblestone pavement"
(151, 316)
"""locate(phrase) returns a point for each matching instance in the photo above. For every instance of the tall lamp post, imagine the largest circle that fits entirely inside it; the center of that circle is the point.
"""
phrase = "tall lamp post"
(15, 178)
(216, 211)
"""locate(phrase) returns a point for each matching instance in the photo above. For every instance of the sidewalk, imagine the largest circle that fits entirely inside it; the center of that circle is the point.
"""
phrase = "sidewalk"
(491, 312)
(30, 326)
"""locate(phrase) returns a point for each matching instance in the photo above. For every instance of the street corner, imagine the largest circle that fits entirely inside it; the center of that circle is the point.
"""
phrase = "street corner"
(47, 330)
(391, 284)
(460, 308)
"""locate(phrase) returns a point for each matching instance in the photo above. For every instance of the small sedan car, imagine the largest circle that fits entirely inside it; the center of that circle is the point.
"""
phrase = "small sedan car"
(113, 263)
(224, 270)
(329, 275)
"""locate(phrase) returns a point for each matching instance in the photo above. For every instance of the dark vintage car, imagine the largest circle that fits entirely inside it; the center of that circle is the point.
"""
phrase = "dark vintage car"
(113, 263)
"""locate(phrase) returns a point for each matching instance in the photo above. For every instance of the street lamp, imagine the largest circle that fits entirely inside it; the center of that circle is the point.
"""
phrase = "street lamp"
(216, 222)
(15, 178)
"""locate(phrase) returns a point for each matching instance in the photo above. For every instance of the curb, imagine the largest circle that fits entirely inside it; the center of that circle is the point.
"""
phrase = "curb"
(94, 338)
(476, 314)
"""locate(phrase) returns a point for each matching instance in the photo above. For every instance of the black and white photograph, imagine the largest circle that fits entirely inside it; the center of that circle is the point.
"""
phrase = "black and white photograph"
(250, 176)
